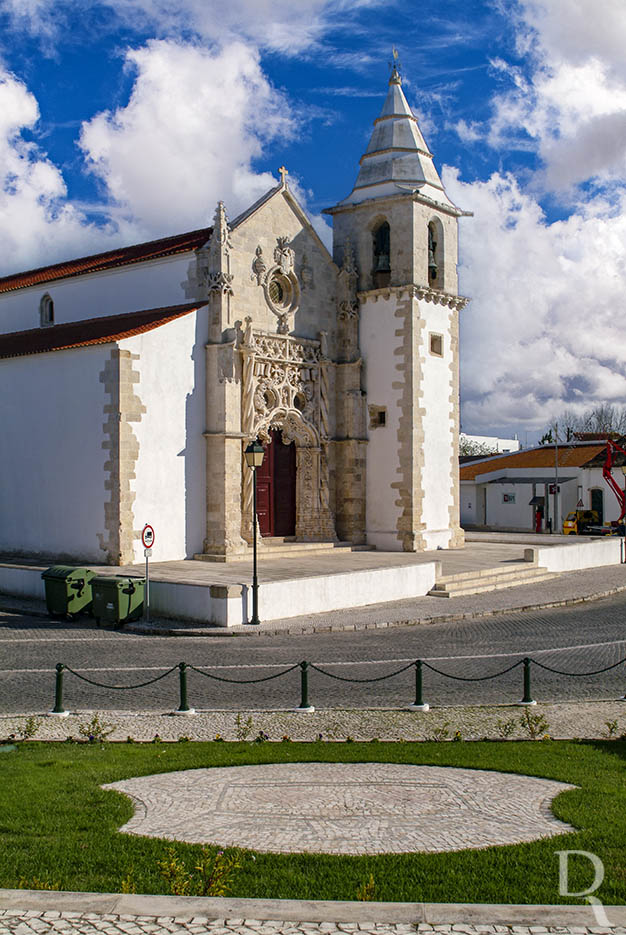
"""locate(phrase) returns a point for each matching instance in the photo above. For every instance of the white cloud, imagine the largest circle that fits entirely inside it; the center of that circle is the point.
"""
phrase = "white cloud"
(543, 331)
(37, 225)
(283, 26)
(187, 138)
(569, 104)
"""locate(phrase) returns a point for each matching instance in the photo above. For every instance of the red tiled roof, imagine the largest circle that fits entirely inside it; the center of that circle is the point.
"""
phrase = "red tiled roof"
(91, 331)
(543, 457)
(124, 256)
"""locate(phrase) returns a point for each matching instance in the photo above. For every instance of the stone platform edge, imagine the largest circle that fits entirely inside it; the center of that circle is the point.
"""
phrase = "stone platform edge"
(295, 910)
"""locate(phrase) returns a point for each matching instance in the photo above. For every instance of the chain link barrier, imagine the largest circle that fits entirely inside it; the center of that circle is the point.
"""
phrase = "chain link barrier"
(84, 678)
(304, 667)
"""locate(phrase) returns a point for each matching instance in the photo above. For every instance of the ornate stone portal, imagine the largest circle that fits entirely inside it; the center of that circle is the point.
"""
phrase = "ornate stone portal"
(285, 387)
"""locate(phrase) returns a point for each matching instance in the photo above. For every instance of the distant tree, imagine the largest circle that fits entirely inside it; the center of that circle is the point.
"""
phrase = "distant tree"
(602, 418)
(469, 447)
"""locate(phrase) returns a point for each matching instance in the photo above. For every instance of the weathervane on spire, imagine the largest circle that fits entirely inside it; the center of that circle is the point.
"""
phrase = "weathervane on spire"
(395, 66)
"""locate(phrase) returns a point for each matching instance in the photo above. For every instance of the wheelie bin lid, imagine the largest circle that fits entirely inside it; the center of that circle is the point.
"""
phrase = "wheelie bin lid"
(63, 572)
(114, 581)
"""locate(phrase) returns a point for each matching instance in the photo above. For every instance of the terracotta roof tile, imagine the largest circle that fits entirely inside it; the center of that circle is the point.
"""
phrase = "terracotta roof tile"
(124, 256)
(543, 457)
(90, 331)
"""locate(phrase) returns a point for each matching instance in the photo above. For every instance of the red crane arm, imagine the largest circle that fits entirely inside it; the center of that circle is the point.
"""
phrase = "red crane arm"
(611, 448)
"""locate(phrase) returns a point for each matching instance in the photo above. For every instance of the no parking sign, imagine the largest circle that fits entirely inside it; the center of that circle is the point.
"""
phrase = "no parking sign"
(147, 536)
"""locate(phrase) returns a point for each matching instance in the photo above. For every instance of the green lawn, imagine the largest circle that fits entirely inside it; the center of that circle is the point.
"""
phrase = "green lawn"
(59, 829)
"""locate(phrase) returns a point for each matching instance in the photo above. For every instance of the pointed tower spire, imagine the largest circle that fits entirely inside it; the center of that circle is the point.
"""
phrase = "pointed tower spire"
(397, 159)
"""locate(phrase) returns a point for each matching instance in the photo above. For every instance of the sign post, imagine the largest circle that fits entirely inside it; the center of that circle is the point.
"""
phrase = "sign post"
(147, 537)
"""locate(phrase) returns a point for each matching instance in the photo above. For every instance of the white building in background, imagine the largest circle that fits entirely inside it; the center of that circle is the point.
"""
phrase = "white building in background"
(515, 491)
(491, 443)
(132, 381)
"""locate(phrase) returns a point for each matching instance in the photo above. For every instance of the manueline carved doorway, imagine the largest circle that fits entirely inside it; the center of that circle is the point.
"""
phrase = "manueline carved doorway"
(276, 488)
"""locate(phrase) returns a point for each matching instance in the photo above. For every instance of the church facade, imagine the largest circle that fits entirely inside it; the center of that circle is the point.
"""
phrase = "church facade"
(131, 382)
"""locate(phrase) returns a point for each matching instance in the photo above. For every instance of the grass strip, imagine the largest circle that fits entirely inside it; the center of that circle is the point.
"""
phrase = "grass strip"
(58, 828)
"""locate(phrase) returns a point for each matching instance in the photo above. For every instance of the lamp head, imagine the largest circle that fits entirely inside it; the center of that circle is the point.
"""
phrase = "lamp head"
(254, 454)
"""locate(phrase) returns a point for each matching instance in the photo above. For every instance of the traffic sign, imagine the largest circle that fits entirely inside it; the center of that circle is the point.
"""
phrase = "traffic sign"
(147, 552)
(147, 536)
(579, 505)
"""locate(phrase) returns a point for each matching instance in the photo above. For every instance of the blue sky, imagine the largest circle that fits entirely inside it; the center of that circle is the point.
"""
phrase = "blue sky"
(125, 120)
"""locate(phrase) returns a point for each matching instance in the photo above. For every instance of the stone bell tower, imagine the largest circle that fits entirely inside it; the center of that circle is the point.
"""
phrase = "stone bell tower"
(403, 228)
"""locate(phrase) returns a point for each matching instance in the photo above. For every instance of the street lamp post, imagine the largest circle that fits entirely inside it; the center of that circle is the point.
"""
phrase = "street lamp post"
(254, 459)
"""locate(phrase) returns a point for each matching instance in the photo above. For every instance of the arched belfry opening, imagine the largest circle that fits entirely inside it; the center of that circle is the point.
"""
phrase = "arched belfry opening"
(435, 254)
(381, 271)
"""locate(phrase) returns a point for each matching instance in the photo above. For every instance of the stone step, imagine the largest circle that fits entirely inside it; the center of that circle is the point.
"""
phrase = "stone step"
(516, 568)
(287, 547)
(482, 584)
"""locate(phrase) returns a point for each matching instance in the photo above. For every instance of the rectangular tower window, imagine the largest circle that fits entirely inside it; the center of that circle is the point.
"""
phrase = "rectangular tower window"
(378, 416)
(436, 344)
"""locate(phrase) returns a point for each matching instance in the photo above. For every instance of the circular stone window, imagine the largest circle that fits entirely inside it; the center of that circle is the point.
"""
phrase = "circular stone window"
(280, 291)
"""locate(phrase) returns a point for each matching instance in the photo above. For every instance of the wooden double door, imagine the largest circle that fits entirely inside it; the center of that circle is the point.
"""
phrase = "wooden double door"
(276, 488)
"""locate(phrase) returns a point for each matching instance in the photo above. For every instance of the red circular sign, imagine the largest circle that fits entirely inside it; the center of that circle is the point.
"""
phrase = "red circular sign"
(147, 536)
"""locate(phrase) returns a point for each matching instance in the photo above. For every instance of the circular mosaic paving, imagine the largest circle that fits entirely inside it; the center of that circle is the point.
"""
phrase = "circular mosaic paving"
(343, 808)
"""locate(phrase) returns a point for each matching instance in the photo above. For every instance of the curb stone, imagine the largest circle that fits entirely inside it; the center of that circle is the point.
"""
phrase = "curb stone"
(188, 907)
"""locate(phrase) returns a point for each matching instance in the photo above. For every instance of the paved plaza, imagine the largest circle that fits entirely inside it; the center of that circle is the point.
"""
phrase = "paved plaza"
(343, 808)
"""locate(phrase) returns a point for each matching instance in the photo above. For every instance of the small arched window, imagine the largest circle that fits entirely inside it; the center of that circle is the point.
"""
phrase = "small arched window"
(46, 311)
(433, 268)
(382, 253)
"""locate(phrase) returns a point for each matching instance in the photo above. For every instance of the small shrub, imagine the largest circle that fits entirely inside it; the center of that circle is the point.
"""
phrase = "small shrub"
(211, 876)
(611, 729)
(534, 724)
(184, 739)
(36, 883)
(128, 884)
(457, 735)
(175, 874)
(349, 739)
(506, 728)
(367, 891)
(219, 738)
(440, 733)
(261, 737)
(29, 728)
(243, 729)
(95, 730)
(156, 739)
(286, 738)
(129, 739)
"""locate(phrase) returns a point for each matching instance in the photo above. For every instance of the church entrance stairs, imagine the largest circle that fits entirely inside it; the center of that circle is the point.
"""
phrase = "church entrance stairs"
(488, 579)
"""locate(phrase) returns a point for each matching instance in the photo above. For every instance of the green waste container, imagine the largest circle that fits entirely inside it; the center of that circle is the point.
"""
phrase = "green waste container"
(117, 600)
(68, 590)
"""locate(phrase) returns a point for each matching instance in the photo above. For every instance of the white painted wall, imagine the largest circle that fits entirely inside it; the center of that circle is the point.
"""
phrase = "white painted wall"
(435, 391)
(378, 343)
(576, 555)
(155, 284)
(170, 482)
(51, 479)
(469, 503)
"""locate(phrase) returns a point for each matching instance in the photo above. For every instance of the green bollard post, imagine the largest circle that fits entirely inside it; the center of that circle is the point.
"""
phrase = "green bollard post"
(528, 698)
(58, 709)
(419, 704)
(183, 707)
(304, 689)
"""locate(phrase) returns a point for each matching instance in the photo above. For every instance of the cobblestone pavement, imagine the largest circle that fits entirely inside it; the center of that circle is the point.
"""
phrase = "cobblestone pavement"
(343, 808)
(585, 720)
(579, 638)
(33, 922)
